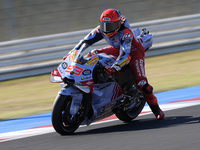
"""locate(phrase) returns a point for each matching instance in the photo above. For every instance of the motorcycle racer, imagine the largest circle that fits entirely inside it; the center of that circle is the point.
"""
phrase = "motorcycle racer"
(115, 29)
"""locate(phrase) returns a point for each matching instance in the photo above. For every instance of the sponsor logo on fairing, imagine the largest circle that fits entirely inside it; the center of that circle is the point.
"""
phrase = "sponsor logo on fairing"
(92, 61)
(86, 72)
(87, 83)
(64, 65)
(86, 77)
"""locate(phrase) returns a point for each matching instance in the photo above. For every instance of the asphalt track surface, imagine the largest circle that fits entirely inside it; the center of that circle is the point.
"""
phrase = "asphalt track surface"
(180, 130)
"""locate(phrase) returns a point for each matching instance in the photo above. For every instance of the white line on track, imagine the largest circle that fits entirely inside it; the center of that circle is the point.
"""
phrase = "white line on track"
(39, 131)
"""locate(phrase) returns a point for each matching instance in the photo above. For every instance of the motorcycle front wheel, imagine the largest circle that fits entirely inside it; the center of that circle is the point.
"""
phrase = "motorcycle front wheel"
(62, 120)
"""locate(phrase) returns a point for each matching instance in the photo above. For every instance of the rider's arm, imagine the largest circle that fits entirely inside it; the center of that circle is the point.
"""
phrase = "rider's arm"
(93, 37)
(125, 48)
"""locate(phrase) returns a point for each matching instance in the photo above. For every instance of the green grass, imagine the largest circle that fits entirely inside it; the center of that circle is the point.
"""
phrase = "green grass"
(174, 71)
(35, 95)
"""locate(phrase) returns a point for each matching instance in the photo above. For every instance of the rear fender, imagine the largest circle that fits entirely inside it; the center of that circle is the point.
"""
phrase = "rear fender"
(76, 96)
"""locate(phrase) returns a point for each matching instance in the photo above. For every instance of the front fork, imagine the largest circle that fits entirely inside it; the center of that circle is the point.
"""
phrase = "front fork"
(76, 96)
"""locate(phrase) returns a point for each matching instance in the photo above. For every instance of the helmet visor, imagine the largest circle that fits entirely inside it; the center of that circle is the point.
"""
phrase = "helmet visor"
(108, 27)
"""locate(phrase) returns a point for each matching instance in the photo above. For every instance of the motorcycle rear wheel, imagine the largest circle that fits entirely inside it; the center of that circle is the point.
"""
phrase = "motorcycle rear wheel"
(131, 114)
(61, 119)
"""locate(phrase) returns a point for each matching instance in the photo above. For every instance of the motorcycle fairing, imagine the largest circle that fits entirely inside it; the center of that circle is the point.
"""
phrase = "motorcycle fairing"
(104, 100)
(106, 60)
(76, 96)
(55, 77)
(80, 72)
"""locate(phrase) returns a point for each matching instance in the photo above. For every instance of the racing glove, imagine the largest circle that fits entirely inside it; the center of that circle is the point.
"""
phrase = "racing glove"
(110, 71)
(114, 70)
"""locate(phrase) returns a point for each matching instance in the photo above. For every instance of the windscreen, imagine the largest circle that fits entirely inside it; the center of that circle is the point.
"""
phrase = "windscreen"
(79, 56)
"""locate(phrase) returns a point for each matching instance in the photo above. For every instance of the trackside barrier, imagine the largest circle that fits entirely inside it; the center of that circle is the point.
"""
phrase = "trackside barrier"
(39, 55)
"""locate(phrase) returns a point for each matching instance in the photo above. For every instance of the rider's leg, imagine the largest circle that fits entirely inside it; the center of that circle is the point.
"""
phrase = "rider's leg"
(147, 91)
(108, 50)
(138, 70)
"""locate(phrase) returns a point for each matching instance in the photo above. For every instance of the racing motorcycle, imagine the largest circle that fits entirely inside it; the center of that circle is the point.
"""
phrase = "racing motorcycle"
(89, 94)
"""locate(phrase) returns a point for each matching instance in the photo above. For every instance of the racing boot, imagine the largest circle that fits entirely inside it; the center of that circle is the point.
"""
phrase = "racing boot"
(153, 104)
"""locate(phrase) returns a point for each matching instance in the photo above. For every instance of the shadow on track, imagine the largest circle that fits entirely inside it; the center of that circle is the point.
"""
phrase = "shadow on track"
(144, 124)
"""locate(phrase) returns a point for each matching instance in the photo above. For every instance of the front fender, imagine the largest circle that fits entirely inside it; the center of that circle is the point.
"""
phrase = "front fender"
(69, 90)
(76, 96)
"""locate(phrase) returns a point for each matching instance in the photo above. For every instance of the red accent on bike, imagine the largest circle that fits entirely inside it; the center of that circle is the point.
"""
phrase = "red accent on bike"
(117, 91)
(55, 72)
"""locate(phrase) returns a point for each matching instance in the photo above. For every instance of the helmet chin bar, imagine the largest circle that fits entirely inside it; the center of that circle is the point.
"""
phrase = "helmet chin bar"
(109, 34)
